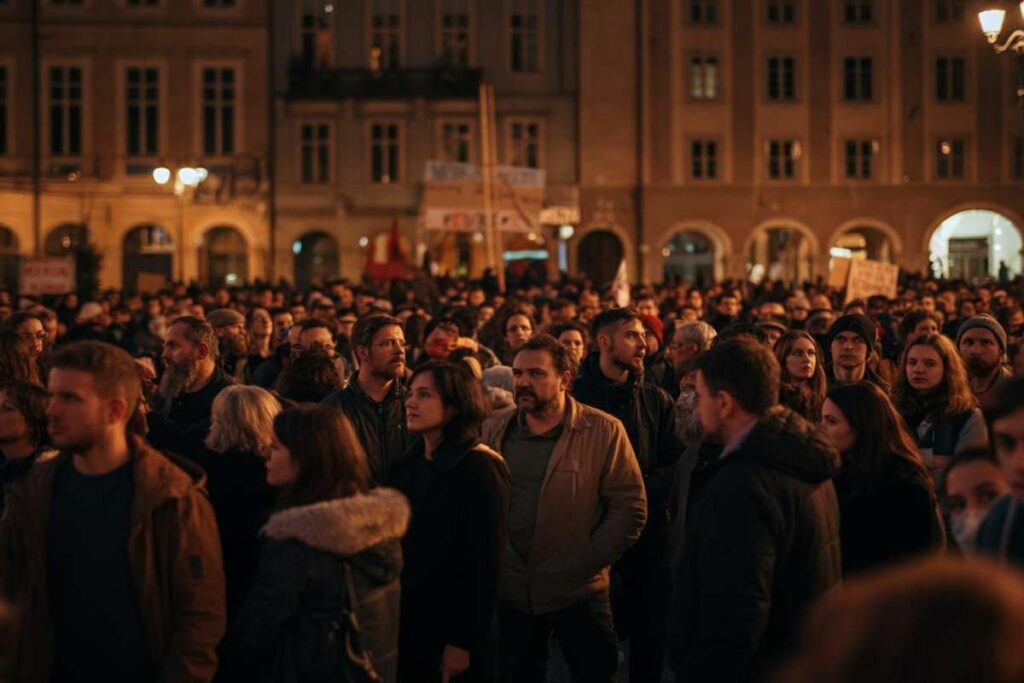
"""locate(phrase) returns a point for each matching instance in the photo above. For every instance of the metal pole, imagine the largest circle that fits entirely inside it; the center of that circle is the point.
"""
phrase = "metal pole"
(271, 163)
(485, 165)
(497, 242)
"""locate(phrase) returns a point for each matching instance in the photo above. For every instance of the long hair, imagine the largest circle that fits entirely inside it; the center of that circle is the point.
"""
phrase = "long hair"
(817, 386)
(242, 419)
(15, 365)
(953, 394)
(331, 461)
(30, 400)
(881, 433)
(460, 392)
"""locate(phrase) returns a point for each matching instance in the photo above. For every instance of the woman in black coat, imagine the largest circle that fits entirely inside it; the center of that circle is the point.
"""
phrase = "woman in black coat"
(325, 603)
(887, 504)
(459, 492)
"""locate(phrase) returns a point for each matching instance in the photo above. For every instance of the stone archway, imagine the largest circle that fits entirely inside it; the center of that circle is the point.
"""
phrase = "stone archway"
(223, 256)
(315, 257)
(863, 239)
(599, 254)
(975, 243)
(146, 250)
(782, 250)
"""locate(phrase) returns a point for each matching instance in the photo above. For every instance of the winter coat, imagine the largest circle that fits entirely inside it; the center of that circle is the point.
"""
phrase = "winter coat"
(1001, 534)
(174, 554)
(592, 508)
(317, 560)
(762, 544)
(452, 553)
(380, 426)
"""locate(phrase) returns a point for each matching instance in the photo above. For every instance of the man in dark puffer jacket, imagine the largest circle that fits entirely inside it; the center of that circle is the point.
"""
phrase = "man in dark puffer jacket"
(762, 530)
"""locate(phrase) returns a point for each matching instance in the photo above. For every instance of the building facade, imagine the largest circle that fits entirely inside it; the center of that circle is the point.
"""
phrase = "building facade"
(730, 137)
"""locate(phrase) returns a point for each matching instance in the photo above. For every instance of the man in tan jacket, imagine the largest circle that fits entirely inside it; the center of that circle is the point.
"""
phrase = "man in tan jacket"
(577, 504)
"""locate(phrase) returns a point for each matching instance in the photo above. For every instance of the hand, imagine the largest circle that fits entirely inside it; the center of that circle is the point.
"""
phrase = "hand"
(454, 661)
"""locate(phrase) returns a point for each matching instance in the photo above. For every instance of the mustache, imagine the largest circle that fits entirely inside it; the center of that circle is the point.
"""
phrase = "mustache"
(525, 392)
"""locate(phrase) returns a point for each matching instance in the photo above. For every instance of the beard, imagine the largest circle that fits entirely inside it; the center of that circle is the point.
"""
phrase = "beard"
(536, 406)
(688, 426)
(978, 367)
(234, 347)
(177, 378)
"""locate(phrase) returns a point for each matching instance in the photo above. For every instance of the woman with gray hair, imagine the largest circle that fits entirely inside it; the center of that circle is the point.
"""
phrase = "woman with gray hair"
(241, 427)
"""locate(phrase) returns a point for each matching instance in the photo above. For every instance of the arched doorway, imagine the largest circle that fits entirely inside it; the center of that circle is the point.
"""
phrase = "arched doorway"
(66, 240)
(780, 252)
(690, 256)
(147, 250)
(975, 243)
(10, 259)
(864, 242)
(315, 257)
(598, 256)
(223, 257)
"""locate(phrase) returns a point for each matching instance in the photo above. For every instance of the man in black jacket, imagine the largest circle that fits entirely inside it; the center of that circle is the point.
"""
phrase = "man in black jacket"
(374, 399)
(611, 379)
(762, 529)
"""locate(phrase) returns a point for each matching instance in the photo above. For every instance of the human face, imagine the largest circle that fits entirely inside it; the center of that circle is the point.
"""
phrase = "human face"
(573, 340)
(849, 350)
(537, 385)
(317, 338)
(679, 350)
(796, 309)
(695, 300)
(1008, 440)
(517, 330)
(424, 410)
(837, 427)
(924, 367)
(973, 486)
(626, 344)
(386, 356)
(772, 335)
(179, 353)
(32, 338)
(729, 306)
(771, 310)
(802, 359)
(76, 415)
(262, 325)
(967, 310)
(647, 306)
(13, 427)
(281, 467)
(928, 303)
(981, 351)
(687, 315)
(926, 326)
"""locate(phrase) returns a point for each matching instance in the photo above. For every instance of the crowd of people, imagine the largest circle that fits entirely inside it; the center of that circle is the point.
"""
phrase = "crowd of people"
(439, 481)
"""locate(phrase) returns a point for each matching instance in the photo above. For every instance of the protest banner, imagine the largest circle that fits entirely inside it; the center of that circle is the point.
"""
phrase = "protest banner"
(51, 275)
(868, 278)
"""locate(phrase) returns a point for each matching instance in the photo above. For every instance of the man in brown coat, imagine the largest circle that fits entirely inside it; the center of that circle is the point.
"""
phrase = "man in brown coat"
(577, 504)
(110, 552)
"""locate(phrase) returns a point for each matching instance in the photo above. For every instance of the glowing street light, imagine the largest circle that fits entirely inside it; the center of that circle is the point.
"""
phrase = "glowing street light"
(162, 175)
(991, 21)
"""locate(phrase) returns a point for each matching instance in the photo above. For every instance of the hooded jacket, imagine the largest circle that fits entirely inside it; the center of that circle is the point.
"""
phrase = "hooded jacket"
(292, 627)
(175, 558)
(762, 543)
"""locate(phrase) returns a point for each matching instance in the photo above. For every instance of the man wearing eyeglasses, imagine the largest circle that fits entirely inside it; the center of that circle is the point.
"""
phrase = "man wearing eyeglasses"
(374, 399)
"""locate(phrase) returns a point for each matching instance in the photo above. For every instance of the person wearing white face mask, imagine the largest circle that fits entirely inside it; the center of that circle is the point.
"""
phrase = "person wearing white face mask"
(973, 483)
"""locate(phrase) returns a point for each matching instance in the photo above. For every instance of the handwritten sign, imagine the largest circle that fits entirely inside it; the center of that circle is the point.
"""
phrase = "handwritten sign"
(453, 197)
(868, 278)
(54, 275)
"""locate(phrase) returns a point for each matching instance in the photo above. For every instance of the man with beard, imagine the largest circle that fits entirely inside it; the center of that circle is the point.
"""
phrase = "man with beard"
(612, 379)
(982, 344)
(233, 340)
(190, 382)
(374, 399)
(577, 505)
(111, 548)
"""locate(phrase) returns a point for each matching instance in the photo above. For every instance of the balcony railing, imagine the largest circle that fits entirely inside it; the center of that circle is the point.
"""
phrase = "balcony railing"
(438, 83)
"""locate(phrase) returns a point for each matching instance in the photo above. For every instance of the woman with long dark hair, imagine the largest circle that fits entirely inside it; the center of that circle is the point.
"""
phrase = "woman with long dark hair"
(935, 399)
(325, 603)
(804, 383)
(887, 503)
(23, 342)
(459, 492)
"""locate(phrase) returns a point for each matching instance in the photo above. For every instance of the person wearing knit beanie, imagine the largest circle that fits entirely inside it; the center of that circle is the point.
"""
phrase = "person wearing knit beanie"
(851, 339)
(981, 341)
(653, 324)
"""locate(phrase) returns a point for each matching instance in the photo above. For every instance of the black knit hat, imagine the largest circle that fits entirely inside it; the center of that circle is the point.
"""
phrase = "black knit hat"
(861, 324)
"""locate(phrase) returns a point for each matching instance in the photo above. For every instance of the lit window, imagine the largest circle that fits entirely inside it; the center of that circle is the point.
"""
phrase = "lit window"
(704, 78)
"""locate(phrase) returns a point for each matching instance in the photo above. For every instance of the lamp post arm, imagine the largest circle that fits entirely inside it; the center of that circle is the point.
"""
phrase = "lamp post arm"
(1015, 41)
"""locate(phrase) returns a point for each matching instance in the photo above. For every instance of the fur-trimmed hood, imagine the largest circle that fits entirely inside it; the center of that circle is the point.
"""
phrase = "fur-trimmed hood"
(344, 526)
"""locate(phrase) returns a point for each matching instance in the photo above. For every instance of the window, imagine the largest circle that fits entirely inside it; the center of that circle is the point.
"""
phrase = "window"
(386, 35)
(317, 41)
(142, 3)
(704, 12)
(524, 144)
(218, 104)
(4, 94)
(66, 3)
(65, 110)
(218, 3)
(858, 11)
(142, 107)
(525, 36)
(948, 11)
(1018, 158)
(316, 153)
(704, 77)
(781, 79)
(385, 148)
(949, 159)
(703, 160)
(783, 156)
(950, 79)
(456, 141)
(860, 156)
(857, 79)
(780, 11)
(455, 21)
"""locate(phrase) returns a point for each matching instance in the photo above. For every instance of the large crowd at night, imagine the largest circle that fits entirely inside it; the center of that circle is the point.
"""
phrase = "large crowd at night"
(436, 480)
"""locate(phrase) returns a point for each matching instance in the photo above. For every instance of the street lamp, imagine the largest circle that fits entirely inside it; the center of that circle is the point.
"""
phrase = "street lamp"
(185, 180)
(992, 25)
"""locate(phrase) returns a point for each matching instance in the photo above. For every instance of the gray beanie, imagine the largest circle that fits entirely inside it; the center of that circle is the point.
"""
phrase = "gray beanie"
(986, 321)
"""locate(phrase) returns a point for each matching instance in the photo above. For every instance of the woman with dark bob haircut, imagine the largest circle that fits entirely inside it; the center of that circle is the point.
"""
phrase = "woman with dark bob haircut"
(459, 492)
(324, 606)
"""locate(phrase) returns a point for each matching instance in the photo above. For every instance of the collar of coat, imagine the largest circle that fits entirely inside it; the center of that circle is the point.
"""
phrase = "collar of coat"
(344, 526)
(577, 415)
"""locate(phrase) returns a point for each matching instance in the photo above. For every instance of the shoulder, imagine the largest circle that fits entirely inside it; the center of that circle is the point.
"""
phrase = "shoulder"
(486, 461)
